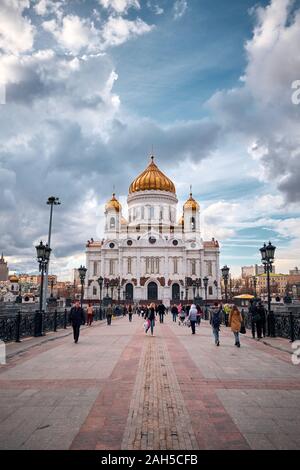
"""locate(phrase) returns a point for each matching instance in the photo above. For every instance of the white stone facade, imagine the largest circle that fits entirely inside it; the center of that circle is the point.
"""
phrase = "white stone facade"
(151, 256)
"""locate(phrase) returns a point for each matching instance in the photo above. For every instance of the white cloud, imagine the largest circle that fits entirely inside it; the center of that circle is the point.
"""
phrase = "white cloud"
(120, 6)
(157, 9)
(179, 8)
(46, 7)
(117, 30)
(74, 33)
(16, 31)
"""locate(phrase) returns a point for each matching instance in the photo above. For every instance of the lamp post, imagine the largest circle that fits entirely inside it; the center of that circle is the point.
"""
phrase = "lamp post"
(82, 272)
(100, 282)
(254, 281)
(107, 286)
(186, 289)
(198, 285)
(225, 275)
(205, 283)
(52, 201)
(194, 290)
(267, 258)
(43, 256)
(119, 290)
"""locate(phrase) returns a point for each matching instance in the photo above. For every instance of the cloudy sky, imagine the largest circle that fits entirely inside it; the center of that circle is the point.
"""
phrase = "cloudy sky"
(88, 86)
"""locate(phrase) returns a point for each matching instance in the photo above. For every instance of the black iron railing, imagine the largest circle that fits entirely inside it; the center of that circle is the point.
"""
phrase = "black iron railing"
(17, 324)
(282, 325)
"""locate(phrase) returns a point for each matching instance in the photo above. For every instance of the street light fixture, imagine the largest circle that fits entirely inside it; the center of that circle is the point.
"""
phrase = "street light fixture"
(205, 283)
(52, 201)
(267, 258)
(43, 256)
(254, 280)
(225, 275)
(100, 282)
(82, 272)
(194, 289)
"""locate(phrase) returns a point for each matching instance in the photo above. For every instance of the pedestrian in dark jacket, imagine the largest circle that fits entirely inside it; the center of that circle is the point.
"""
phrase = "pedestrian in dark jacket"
(174, 311)
(109, 314)
(161, 309)
(77, 318)
(130, 313)
(199, 314)
(262, 314)
(150, 315)
(215, 319)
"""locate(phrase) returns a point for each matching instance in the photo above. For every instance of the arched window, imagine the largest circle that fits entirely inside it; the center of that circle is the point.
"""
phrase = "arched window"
(94, 290)
(129, 292)
(193, 224)
(112, 223)
(210, 290)
(175, 292)
(152, 291)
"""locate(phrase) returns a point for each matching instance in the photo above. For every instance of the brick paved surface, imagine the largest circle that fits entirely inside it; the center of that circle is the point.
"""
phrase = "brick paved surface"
(119, 388)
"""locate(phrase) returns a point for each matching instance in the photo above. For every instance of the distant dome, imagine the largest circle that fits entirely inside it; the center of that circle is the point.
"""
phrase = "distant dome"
(152, 179)
(113, 203)
(13, 278)
(191, 204)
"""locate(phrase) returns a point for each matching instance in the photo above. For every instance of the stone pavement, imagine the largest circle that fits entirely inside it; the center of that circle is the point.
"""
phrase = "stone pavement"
(119, 388)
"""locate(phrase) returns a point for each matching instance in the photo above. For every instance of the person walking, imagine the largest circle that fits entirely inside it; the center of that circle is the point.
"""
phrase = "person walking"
(109, 313)
(199, 313)
(262, 318)
(90, 313)
(193, 318)
(77, 318)
(130, 312)
(252, 314)
(235, 321)
(150, 315)
(215, 319)
(161, 309)
(174, 311)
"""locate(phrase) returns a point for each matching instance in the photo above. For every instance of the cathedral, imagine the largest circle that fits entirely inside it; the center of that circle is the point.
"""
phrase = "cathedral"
(151, 255)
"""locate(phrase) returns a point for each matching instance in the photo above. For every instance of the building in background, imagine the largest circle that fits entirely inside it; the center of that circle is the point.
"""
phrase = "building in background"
(152, 256)
(256, 270)
(3, 269)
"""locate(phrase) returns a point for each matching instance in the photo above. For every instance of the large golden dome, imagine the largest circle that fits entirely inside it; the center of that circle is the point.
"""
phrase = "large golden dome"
(113, 204)
(191, 204)
(152, 179)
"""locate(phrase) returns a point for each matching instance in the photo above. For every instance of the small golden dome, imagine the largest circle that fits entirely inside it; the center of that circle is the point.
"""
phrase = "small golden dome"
(113, 204)
(13, 278)
(152, 179)
(181, 220)
(191, 204)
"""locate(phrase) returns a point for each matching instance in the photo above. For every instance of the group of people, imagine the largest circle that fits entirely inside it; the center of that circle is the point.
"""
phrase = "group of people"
(190, 315)
(258, 318)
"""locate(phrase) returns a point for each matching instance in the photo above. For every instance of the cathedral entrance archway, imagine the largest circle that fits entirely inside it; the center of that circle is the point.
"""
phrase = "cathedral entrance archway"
(175, 292)
(129, 292)
(152, 291)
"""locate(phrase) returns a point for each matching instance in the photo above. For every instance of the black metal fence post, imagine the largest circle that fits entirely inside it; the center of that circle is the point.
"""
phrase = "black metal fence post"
(55, 321)
(65, 319)
(292, 331)
(18, 324)
(271, 324)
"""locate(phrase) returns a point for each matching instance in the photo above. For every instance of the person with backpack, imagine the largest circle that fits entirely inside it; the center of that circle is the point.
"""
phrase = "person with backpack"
(193, 318)
(215, 319)
(235, 322)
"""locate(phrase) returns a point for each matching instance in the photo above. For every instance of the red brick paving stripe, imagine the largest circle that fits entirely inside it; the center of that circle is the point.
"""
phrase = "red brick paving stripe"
(104, 427)
(212, 425)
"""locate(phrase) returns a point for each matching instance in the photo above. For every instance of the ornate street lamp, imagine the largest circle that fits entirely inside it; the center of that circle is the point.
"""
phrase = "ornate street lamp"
(225, 275)
(267, 258)
(254, 281)
(194, 289)
(198, 285)
(52, 201)
(100, 282)
(43, 256)
(205, 283)
(82, 272)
